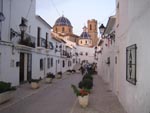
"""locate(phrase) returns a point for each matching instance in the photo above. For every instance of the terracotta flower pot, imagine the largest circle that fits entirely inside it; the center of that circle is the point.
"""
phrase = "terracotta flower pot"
(59, 76)
(83, 101)
(48, 80)
(35, 85)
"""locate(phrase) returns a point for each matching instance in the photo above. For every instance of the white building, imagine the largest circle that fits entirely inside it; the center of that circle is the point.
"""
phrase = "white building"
(10, 52)
(85, 54)
(129, 57)
(105, 50)
(28, 55)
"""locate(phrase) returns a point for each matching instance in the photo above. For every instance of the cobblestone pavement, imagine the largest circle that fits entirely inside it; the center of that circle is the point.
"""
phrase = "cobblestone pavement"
(58, 97)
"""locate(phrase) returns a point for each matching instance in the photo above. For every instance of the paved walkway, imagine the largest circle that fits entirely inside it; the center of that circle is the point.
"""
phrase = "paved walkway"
(58, 97)
(101, 100)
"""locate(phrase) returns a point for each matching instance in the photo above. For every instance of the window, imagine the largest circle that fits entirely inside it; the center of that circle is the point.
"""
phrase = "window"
(69, 63)
(41, 64)
(46, 40)
(51, 62)
(90, 27)
(63, 29)
(86, 53)
(43, 42)
(81, 42)
(81, 53)
(48, 63)
(38, 36)
(86, 41)
(63, 63)
(115, 59)
(131, 64)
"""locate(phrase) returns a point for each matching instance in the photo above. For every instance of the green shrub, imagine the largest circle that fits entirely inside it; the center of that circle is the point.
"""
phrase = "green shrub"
(69, 71)
(86, 84)
(4, 86)
(87, 77)
(50, 75)
(59, 73)
(35, 80)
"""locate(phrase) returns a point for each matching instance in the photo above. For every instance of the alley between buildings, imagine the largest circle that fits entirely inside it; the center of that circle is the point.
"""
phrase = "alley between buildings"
(58, 97)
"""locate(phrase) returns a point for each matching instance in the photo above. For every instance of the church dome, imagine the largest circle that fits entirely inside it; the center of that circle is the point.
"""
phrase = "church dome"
(85, 35)
(62, 21)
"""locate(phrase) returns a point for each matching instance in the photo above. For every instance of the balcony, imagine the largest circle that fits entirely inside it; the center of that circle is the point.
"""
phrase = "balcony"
(28, 41)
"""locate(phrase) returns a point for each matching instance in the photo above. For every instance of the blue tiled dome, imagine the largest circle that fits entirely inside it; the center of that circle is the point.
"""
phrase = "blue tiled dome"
(85, 35)
(63, 21)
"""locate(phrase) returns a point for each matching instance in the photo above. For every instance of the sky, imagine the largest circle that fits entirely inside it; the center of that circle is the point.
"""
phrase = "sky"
(77, 11)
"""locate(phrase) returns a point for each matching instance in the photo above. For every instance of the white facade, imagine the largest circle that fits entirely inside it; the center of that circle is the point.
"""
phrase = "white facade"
(136, 32)
(85, 53)
(20, 63)
(132, 27)
(9, 55)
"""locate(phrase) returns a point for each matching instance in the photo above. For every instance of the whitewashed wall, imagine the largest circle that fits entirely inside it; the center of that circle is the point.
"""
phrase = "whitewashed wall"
(9, 72)
(89, 57)
(106, 71)
(13, 11)
(134, 29)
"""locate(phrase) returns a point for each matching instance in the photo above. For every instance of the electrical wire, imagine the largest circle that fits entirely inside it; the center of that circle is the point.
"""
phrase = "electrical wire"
(29, 9)
(55, 7)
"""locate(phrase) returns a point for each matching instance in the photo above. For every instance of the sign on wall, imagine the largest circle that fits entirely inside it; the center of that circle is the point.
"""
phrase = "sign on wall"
(131, 64)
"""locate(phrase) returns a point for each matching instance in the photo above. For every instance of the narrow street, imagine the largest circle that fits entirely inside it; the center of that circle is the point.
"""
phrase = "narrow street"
(58, 97)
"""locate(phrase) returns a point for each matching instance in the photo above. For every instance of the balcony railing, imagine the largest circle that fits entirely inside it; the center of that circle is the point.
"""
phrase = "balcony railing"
(28, 41)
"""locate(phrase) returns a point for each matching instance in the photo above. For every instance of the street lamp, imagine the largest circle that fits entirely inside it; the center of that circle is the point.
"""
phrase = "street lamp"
(101, 29)
(95, 54)
(23, 28)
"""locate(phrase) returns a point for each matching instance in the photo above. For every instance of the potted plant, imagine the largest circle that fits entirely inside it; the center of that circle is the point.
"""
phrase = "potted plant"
(69, 72)
(5, 91)
(59, 75)
(86, 83)
(50, 76)
(73, 71)
(82, 94)
(35, 83)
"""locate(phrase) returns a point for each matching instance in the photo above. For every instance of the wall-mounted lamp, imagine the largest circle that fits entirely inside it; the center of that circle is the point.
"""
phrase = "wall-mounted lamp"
(23, 28)
(101, 29)
(2, 17)
(96, 52)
